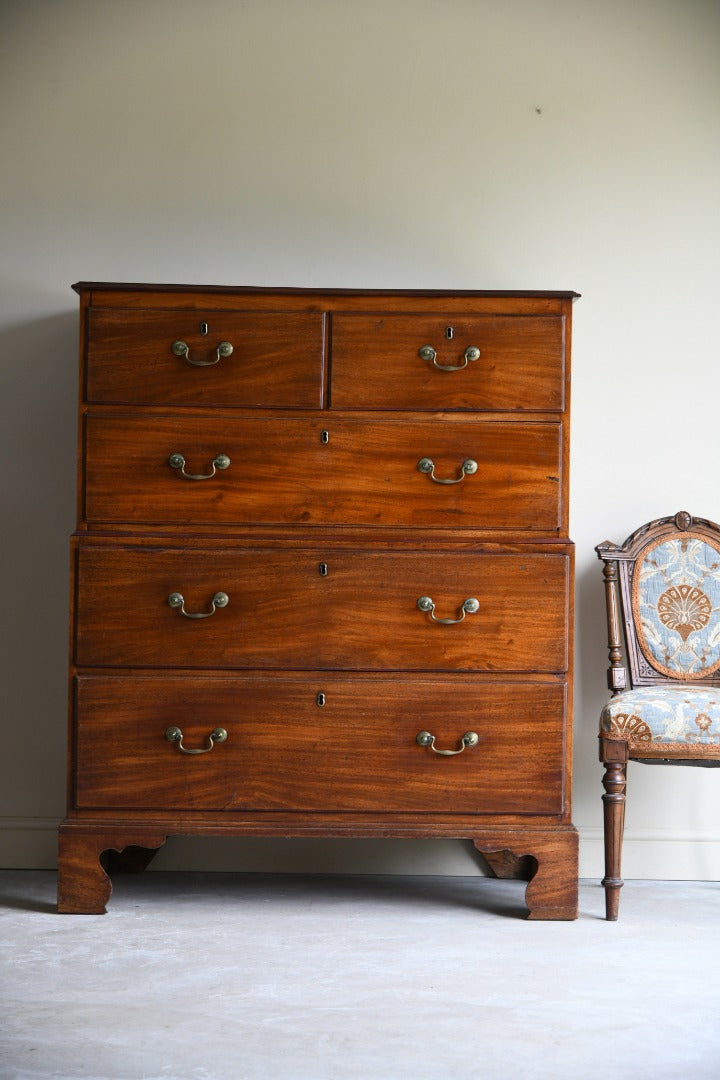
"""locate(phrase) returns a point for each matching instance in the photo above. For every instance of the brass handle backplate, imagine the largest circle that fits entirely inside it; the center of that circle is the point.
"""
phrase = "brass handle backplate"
(429, 354)
(469, 739)
(470, 606)
(427, 465)
(182, 349)
(177, 461)
(175, 735)
(177, 600)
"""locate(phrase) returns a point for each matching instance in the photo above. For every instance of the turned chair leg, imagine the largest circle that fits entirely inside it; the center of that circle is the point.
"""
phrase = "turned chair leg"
(614, 823)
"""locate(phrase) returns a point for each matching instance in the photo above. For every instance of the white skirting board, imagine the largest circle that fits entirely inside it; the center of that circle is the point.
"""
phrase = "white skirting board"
(655, 854)
(31, 844)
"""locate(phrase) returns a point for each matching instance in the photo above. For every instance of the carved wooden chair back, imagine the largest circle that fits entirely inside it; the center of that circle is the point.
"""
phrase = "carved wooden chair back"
(662, 588)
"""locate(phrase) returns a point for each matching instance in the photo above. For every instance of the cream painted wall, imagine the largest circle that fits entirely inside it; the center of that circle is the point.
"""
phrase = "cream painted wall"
(564, 144)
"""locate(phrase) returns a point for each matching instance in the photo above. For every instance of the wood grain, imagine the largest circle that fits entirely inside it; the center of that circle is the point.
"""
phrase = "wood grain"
(376, 362)
(283, 472)
(277, 358)
(283, 613)
(356, 752)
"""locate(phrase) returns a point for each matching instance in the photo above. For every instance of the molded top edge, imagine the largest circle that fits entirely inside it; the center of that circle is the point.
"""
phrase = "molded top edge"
(86, 286)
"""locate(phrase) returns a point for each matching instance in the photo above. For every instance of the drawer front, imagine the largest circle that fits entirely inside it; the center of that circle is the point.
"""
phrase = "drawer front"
(327, 471)
(376, 362)
(358, 752)
(276, 358)
(307, 608)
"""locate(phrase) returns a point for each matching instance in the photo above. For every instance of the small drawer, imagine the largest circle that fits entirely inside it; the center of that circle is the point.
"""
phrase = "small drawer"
(309, 607)
(261, 359)
(165, 470)
(479, 362)
(357, 751)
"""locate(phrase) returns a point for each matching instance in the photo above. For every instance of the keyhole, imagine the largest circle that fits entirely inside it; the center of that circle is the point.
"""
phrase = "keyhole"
(324, 436)
(320, 699)
(449, 333)
(203, 328)
(323, 568)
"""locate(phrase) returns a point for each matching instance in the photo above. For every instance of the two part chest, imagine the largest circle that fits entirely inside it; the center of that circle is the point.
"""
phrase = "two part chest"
(328, 525)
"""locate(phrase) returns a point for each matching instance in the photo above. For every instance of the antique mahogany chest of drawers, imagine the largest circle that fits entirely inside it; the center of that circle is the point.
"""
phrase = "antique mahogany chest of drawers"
(321, 577)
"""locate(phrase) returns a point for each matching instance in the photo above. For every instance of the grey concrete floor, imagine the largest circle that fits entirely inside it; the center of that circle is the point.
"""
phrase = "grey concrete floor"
(256, 977)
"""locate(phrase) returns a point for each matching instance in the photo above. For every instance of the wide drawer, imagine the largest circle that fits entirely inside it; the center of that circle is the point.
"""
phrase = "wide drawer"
(174, 470)
(138, 357)
(377, 362)
(358, 751)
(308, 607)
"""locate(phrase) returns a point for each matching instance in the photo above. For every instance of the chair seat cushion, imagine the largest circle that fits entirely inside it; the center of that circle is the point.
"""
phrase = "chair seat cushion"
(678, 721)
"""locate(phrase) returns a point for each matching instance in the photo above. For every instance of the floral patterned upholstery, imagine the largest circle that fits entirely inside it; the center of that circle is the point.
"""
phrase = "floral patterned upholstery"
(674, 596)
(673, 721)
(676, 606)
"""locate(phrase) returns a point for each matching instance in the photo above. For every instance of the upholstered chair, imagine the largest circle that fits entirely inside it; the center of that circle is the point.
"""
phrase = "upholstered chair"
(662, 587)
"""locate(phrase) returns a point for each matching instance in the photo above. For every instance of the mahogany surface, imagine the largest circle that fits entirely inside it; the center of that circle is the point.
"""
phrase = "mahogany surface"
(284, 614)
(280, 471)
(324, 534)
(357, 749)
(120, 343)
(375, 363)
